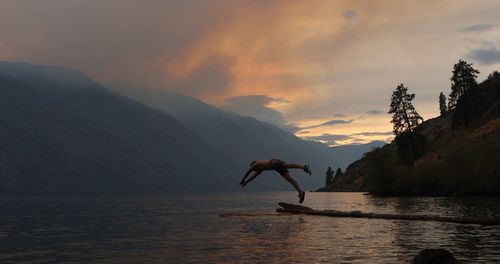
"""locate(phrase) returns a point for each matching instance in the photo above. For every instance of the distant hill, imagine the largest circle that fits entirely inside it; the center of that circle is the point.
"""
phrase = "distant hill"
(246, 138)
(63, 133)
(459, 158)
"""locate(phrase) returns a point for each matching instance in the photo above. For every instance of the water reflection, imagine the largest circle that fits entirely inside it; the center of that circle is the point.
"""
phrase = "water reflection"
(188, 229)
(469, 242)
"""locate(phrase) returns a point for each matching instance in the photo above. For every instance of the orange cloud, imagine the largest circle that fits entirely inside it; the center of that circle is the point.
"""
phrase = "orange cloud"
(283, 49)
(323, 56)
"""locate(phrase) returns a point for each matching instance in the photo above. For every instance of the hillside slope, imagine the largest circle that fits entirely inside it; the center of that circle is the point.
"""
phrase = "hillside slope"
(460, 157)
(62, 133)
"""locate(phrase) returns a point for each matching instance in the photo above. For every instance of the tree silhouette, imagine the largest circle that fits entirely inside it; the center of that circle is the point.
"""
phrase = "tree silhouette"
(463, 79)
(338, 173)
(442, 104)
(494, 75)
(405, 120)
(404, 116)
(329, 176)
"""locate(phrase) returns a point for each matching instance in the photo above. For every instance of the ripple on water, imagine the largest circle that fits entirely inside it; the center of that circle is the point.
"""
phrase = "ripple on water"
(188, 229)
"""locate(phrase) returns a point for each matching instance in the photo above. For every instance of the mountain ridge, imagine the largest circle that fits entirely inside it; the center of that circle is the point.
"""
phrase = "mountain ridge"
(59, 139)
(247, 138)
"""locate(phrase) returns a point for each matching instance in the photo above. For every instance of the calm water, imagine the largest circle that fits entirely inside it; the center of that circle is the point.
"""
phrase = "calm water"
(188, 229)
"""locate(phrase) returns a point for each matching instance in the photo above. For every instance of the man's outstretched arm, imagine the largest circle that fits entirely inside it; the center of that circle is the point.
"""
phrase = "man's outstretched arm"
(242, 182)
(251, 178)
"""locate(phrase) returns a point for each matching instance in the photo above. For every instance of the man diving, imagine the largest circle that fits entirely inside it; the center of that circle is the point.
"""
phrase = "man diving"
(258, 166)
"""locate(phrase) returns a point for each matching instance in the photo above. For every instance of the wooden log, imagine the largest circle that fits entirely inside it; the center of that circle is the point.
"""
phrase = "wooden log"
(246, 214)
(299, 209)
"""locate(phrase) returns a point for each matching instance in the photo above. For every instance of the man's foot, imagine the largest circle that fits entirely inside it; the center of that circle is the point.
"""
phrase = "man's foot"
(307, 169)
(302, 195)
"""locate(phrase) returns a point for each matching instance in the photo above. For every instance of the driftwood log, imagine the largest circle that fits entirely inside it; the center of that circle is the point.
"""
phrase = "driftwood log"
(299, 209)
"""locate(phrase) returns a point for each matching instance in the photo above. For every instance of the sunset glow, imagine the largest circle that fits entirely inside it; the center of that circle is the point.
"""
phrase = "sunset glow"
(313, 60)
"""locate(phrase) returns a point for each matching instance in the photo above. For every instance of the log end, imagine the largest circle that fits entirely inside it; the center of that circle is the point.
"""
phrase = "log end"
(294, 207)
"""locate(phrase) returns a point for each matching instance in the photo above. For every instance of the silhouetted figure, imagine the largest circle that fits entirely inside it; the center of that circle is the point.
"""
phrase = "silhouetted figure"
(258, 166)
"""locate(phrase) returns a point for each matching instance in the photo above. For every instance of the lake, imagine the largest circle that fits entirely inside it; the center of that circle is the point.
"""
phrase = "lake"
(188, 229)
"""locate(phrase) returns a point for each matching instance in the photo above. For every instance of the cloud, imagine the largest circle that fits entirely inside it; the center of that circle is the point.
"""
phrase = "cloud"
(210, 78)
(336, 122)
(375, 112)
(329, 139)
(373, 134)
(325, 56)
(478, 28)
(350, 15)
(356, 138)
(290, 128)
(257, 106)
(276, 48)
(331, 123)
(339, 115)
(486, 56)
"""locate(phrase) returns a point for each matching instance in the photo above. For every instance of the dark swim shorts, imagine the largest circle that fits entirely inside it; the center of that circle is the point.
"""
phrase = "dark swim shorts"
(277, 165)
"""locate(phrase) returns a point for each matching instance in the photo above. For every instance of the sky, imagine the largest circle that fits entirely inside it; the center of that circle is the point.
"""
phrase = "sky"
(324, 70)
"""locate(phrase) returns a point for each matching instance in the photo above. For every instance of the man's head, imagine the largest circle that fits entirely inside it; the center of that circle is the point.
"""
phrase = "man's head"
(252, 163)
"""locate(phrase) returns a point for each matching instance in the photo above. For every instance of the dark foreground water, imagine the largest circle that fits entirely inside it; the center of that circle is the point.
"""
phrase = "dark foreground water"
(188, 229)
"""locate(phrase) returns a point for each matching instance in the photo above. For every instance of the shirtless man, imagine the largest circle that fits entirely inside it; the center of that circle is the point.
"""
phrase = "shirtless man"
(279, 166)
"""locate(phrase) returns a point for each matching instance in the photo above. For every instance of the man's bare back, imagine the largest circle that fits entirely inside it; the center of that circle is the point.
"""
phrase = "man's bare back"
(261, 165)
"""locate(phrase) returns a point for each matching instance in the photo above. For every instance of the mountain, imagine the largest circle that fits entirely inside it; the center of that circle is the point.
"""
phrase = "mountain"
(460, 155)
(246, 138)
(63, 133)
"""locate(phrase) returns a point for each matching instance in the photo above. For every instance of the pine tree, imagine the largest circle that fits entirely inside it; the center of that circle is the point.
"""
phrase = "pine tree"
(463, 79)
(338, 173)
(329, 176)
(404, 116)
(405, 119)
(442, 104)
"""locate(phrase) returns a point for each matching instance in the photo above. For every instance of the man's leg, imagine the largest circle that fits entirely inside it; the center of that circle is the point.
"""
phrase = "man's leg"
(291, 180)
(305, 167)
(287, 165)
